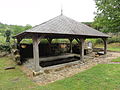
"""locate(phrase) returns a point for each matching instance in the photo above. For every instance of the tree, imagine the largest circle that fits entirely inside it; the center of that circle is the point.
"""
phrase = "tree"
(107, 17)
(28, 27)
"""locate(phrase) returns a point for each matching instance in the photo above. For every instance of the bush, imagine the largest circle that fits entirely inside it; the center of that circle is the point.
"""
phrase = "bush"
(114, 40)
(5, 48)
(99, 41)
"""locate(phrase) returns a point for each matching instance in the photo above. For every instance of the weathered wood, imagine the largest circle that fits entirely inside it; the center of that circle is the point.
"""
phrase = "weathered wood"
(77, 40)
(71, 39)
(100, 53)
(82, 41)
(7, 68)
(36, 53)
(105, 45)
(62, 26)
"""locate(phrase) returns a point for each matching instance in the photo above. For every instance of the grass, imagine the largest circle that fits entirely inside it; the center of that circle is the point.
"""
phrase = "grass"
(116, 60)
(100, 77)
(111, 47)
(13, 79)
(114, 49)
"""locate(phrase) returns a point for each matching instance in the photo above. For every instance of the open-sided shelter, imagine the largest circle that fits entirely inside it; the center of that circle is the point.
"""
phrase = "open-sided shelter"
(60, 27)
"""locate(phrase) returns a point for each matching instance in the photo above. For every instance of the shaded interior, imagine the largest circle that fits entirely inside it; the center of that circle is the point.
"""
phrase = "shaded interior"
(59, 61)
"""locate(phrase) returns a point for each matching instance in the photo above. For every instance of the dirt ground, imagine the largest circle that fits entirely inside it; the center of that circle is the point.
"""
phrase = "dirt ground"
(46, 78)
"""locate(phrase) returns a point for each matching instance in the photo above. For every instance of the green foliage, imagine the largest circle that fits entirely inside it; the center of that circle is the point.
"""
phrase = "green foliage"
(10, 30)
(15, 29)
(99, 41)
(114, 40)
(109, 40)
(111, 46)
(114, 49)
(18, 29)
(5, 48)
(7, 35)
(107, 17)
(88, 23)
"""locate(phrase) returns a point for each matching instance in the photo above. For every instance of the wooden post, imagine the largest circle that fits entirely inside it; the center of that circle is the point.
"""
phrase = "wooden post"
(36, 53)
(71, 39)
(81, 43)
(82, 40)
(18, 42)
(50, 41)
(105, 45)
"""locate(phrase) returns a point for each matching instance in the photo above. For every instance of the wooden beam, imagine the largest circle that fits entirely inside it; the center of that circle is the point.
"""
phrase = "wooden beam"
(36, 42)
(105, 45)
(77, 40)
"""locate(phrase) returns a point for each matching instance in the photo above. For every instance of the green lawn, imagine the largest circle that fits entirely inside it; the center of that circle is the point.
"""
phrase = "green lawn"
(114, 48)
(111, 47)
(100, 77)
(13, 79)
(116, 60)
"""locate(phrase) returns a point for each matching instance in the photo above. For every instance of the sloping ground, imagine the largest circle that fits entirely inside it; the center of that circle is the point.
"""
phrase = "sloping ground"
(111, 47)
(100, 77)
(61, 73)
(13, 79)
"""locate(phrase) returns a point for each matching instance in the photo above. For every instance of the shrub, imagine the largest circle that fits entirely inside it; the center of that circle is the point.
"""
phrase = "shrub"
(99, 41)
(114, 40)
(5, 48)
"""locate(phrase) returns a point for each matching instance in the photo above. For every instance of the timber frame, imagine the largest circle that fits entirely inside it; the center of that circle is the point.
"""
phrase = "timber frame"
(60, 27)
(36, 41)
